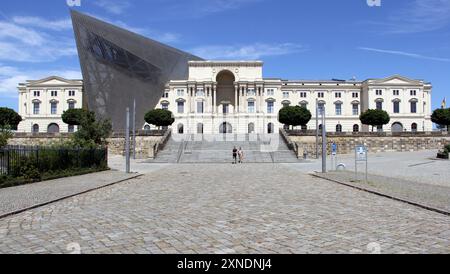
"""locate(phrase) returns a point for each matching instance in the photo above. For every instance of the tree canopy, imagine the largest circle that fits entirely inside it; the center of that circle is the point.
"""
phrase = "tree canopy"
(159, 117)
(91, 131)
(9, 118)
(294, 116)
(375, 117)
(441, 117)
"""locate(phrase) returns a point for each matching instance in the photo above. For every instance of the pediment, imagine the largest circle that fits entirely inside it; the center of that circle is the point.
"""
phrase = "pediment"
(397, 80)
(55, 81)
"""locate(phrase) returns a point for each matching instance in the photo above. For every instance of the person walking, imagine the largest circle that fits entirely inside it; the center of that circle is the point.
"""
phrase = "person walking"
(241, 155)
(235, 152)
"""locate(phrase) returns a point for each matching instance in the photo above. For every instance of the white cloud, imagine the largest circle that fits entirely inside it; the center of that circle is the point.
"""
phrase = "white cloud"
(113, 6)
(406, 54)
(34, 21)
(255, 51)
(10, 77)
(25, 44)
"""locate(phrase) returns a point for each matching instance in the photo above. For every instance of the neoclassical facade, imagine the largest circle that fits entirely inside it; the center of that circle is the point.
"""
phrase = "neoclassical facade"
(42, 102)
(233, 97)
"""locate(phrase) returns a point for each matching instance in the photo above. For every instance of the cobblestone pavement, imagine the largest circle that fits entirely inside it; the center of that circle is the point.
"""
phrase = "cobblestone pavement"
(261, 208)
(17, 198)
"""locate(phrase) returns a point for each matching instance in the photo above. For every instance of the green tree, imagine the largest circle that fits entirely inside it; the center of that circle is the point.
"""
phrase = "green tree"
(441, 117)
(9, 118)
(375, 117)
(294, 116)
(159, 117)
(91, 132)
(5, 134)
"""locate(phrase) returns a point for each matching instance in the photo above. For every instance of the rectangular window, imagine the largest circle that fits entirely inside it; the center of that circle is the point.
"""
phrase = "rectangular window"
(251, 92)
(321, 108)
(320, 95)
(251, 107)
(396, 107)
(54, 108)
(304, 105)
(338, 109)
(180, 107)
(413, 93)
(165, 106)
(71, 105)
(270, 107)
(379, 92)
(380, 105)
(200, 107)
(413, 107)
(270, 92)
(355, 94)
(54, 93)
(302, 94)
(36, 93)
(36, 108)
(396, 92)
(71, 93)
(180, 92)
(226, 108)
(355, 109)
(285, 94)
(338, 95)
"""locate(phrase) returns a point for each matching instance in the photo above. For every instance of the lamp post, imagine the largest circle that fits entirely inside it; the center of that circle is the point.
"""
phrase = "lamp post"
(317, 128)
(127, 142)
(324, 142)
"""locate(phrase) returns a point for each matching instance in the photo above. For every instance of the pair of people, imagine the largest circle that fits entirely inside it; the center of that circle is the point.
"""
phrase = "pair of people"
(238, 154)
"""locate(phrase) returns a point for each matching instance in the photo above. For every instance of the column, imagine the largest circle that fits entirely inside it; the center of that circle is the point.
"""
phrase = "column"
(236, 105)
(214, 98)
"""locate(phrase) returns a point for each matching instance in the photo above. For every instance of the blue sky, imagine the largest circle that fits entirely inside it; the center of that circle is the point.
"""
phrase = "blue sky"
(298, 39)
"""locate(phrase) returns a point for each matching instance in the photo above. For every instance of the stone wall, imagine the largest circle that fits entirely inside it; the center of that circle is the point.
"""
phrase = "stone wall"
(375, 144)
(146, 146)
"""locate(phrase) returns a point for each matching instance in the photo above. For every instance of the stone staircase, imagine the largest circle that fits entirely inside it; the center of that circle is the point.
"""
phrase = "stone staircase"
(218, 149)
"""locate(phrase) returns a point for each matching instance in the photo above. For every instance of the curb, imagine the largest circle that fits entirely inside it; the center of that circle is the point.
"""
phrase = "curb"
(66, 197)
(440, 211)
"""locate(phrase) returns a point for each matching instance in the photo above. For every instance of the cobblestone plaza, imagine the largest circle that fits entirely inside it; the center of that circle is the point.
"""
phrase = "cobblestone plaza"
(222, 208)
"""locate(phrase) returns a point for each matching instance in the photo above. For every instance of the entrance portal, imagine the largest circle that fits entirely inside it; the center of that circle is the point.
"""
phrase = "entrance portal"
(225, 90)
(225, 128)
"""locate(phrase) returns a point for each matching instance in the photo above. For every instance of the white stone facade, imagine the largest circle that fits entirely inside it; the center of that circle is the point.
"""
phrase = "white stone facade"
(233, 96)
(42, 102)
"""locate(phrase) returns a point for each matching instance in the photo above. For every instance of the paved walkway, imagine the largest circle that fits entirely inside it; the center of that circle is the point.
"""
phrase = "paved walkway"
(265, 208)
(22, 197)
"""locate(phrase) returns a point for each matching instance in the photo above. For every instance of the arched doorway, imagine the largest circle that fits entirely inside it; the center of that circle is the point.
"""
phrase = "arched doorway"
(270, 128)
(338, 128)
(355, 128)
(225, 128)
(53, 128)
(180, 129)
(414, 127)
(225, 89)
(397, 127)
(251, 128)
(199, 128)
(35, 128)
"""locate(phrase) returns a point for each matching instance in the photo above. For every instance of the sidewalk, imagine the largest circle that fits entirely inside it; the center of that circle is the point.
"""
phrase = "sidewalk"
(20, 198)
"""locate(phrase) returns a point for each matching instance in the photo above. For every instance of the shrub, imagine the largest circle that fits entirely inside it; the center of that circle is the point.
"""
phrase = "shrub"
(374, 117)
(294, 116)
(159, 117)
(29, 170)
(5, 134)
(441, 117)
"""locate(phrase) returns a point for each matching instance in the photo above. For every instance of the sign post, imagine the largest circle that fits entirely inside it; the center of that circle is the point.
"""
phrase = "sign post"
(334, 148)
(360, 156)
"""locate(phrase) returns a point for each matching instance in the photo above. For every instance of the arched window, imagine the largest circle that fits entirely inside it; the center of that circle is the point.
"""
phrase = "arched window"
(270, 128)
(355, 128)
(180, 129)
(199, 128)
(53, 128)
(320, 127)
(35, 128)
(147, 127)
(338, 128)
(414, 127)
(251, 128)
(71, 128)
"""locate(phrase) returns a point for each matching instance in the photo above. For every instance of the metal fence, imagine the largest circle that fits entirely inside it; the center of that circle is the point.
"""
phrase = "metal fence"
(15, 160)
